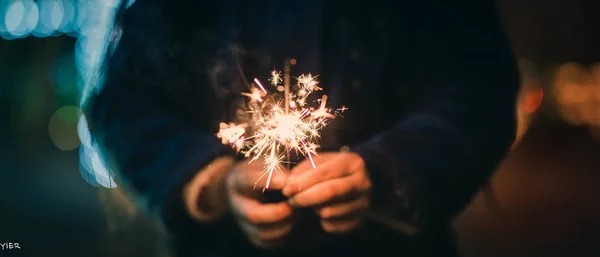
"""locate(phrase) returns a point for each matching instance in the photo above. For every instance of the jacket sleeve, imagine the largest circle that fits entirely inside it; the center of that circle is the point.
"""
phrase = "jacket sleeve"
(431, 163)
(145, 134)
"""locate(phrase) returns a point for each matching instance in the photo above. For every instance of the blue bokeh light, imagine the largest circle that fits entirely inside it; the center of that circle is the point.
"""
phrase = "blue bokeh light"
(83, 132)
(93, 169)
(92, 23)
(14, 16)
(69, 11)
(52, 13)
(32, 18)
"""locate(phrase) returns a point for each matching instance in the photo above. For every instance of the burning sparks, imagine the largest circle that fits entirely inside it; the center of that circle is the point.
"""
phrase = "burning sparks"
(277, 129)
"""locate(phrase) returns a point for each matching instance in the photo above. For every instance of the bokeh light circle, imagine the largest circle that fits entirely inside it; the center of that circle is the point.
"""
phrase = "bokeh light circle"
(62, 128)
(69, 11)
(51, 16)
(86, 174)
(31, 18)
(19, 18)
(83, 132)
(51, 13)
(92, 167)
(81, 15)
(93, 170)
(15, 14)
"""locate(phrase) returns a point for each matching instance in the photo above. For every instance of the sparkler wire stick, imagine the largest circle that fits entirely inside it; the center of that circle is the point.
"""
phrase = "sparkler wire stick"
(287, 70)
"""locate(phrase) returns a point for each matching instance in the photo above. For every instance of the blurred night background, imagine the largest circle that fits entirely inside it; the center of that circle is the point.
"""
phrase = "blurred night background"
(56, 198)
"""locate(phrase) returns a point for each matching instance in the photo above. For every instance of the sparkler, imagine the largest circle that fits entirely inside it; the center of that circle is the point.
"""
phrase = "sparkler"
(282, 122)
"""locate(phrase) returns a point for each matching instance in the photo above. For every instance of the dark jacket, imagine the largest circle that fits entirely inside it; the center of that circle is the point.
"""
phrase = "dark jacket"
(430, 85)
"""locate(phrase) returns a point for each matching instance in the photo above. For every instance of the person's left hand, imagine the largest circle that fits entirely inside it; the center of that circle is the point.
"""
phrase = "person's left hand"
(339, 188)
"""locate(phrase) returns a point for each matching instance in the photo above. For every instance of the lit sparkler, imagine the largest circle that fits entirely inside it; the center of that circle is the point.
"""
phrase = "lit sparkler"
(282, 122)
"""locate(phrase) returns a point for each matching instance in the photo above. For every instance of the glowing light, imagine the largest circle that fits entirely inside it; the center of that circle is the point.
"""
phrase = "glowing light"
(129, 3)
(62, 128)
(68, 16)
(32, 18)
(81, 15)
(276, 129)
(93, 170)
(14, 16)
(44, 26)
(51, 14)
(83, 132)
(92, 25)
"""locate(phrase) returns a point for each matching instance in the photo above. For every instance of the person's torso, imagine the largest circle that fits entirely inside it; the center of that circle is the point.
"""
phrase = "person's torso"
(355, 49)
(358, 51)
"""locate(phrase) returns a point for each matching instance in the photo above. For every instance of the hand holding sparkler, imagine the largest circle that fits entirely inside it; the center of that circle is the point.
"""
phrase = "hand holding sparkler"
(339, 189)
(265, 224)
(280, 124)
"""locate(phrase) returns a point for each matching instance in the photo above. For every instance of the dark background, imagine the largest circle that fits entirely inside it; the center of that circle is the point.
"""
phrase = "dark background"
(45, 203)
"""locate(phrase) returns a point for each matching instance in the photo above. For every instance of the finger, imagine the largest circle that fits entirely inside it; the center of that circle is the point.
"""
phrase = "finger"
(270, 180)
(272, 233)
(306, 179)
(301, 167)
(341, 226)
(317, 160)
(267, 232)
(248, 181)
(257, 213)
(332, 190)
(271, 245)
(343, 209)
(268, 236)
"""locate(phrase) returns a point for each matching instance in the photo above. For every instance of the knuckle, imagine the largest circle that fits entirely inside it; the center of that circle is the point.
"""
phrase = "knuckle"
(363, 181)
(362, 186)
(367, 183)
(329, 173)
(332, 190)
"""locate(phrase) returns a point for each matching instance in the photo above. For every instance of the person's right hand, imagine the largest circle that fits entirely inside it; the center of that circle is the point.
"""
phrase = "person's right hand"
(265, 224)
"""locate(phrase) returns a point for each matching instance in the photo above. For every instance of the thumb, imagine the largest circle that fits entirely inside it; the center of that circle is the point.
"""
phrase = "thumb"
(278, 180)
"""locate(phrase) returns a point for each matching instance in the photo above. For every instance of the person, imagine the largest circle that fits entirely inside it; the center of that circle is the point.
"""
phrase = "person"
(431, 87)
(540, 200)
